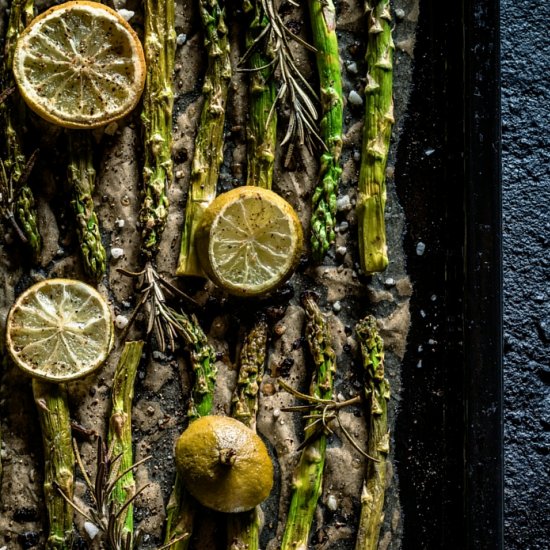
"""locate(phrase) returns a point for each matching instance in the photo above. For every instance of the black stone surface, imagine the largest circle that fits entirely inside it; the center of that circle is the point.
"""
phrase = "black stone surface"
(526, 262)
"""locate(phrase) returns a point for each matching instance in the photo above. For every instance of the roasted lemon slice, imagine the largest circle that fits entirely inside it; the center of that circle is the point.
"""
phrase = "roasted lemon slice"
(249, 241)
(79, 65)
(59, 330)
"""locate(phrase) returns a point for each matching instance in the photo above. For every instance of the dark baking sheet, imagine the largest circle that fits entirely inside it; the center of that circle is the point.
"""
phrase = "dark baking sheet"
(449, 447)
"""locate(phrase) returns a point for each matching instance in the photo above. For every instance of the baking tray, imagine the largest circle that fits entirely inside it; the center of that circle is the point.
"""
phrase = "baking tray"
(449, 449)
(447, 492)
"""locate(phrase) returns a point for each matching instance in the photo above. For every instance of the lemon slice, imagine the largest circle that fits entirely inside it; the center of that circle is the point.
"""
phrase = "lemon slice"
(224, 464)
(79, 65)
(249, 241)
(59, 330)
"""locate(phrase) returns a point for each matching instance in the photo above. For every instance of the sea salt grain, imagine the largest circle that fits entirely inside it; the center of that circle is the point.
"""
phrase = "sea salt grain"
(343, 203)
(126, 14)
(91, 530)
(117, 253)
(355, 98)
(121, 321)
(420, 248)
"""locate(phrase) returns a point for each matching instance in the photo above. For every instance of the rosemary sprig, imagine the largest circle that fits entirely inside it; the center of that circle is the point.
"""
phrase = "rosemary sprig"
(106, 512)
(162, 320)
(294, 91)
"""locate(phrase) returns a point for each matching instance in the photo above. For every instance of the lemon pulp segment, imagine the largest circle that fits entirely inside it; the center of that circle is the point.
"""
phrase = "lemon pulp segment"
(59, 330)
(253, 241)
(80, 65)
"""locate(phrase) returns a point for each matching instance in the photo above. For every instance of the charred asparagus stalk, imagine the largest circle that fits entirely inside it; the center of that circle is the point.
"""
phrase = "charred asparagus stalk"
(377, 393)
(19, 204)
(322, 15)
(308, 477)
(376, 138)
(158, 100)
(180, 512)
(208, 154)
(81, 179)
(243, 529)
(59, 461)
(120, 434)
(262, 122)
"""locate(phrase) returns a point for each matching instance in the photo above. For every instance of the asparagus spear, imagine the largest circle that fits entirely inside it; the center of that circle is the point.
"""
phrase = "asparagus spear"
(21, 198)
(377, 393)
(262, 121)
(120, 433)
(158, 100)
(180, 512)
(322, 15)
(59, 460)
(243, 529)
(376, 138)
(308, 477)
(81, 179)
(208, 154)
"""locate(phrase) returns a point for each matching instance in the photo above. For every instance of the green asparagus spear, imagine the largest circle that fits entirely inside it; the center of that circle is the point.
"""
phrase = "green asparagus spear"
(59, 461)
(322, 15)
(180, 512)
(252, 360)
(376, 138)
(12, 113)
(81, 179)
(262, 121)
(158, 100)
(120, 432)
(208, 154)
(377, 393)
(243, 529)
(308, 477)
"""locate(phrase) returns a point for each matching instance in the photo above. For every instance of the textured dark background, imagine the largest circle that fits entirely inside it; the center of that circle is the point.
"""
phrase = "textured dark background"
(525, 50)
(448, 451)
